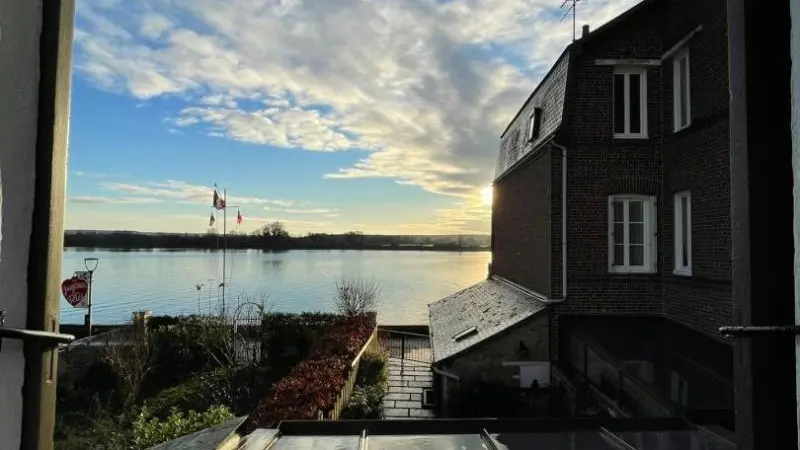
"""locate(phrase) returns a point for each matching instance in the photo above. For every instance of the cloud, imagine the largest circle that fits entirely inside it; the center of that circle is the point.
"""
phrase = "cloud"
(425, 87)
(113, 200)
(327, 212)
(180, 191)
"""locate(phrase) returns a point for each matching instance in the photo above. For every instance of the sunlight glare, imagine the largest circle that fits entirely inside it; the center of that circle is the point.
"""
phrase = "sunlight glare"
(487, 195)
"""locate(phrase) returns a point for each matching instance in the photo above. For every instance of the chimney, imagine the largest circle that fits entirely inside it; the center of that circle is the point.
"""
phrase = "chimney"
(585, 31)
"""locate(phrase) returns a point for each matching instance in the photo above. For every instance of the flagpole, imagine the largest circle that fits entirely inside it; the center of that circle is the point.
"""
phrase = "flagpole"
(224, 244)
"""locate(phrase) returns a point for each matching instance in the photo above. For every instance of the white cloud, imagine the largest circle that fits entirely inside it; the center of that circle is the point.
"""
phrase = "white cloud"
(154, 25)
(425, 86)
(113, 200)
(180, 191)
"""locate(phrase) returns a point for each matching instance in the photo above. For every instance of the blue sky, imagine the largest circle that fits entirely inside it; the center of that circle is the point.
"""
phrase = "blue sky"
(381, 116)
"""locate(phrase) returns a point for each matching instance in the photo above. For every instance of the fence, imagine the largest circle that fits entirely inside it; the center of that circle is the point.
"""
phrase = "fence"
(347, 390)
(405, 345)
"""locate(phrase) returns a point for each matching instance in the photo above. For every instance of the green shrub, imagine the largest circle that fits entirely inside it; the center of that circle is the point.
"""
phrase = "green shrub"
(365, 403)
(184, 349)
(371, 386)
(372, 370)
(78, 432)
(198, 393)
(149, 431)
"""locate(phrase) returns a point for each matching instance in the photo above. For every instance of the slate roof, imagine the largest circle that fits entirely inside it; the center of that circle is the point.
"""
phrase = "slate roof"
(490, 306)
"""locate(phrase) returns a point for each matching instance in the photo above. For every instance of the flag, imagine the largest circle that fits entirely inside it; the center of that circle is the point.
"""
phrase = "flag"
(211, 220)
(219, 202)
(238, 217)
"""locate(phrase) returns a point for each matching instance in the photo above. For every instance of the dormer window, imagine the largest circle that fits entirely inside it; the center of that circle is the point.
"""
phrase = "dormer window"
(534, 124)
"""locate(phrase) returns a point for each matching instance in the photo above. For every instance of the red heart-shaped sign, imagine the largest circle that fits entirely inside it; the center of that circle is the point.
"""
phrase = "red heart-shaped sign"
(75, 290)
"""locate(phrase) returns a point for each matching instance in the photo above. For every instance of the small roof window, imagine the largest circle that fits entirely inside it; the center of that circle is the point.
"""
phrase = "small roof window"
(465, 334)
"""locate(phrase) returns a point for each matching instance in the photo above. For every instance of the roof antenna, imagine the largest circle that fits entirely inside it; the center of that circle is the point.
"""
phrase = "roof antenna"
(570, 6)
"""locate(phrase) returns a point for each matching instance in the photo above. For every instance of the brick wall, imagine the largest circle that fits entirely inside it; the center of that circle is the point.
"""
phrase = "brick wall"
(697, 159)
(484, 361)
(521, 224)
(598, 166)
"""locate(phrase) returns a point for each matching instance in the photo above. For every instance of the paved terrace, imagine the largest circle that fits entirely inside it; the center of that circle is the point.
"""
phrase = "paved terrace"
(407, 381)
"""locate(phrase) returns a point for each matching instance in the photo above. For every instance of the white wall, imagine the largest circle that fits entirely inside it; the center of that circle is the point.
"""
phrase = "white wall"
(795, 10)
(20, 26)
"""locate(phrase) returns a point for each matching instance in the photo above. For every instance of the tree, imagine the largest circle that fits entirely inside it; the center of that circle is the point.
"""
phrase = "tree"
(275, 229)
(130, 354)
(355, 295)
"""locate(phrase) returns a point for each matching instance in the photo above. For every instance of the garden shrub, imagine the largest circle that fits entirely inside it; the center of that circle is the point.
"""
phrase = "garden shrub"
(315, 383)
(149, 430)
(372, 384)
(198, 393)
(366, 402)
(188, 347)
(288, 338)
(89, 433)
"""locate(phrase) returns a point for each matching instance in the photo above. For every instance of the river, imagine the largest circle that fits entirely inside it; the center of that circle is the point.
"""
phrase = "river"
(166, 282)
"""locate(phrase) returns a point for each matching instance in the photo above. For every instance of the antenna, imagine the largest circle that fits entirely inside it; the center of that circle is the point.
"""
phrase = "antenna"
(570, 6)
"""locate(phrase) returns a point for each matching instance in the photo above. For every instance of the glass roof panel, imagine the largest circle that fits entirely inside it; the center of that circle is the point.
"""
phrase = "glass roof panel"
(583, 440)
(429, 442)
(317, 443)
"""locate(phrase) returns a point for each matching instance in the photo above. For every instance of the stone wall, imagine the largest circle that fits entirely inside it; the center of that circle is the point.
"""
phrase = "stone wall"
(484, 362)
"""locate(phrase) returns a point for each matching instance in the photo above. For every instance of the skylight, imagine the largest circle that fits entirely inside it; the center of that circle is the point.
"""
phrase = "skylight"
(465, 334)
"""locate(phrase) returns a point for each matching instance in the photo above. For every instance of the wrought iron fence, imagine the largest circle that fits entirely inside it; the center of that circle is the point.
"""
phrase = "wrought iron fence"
(406, 346)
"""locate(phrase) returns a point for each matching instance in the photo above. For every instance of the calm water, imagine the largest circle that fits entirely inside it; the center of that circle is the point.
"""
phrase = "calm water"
(299, 280)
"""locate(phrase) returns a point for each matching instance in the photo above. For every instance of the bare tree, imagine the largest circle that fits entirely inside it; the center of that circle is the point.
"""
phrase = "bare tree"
(130, 353)
(355, 295)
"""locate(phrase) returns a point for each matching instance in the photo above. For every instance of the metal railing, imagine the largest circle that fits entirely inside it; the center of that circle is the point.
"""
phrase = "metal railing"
(406, 345)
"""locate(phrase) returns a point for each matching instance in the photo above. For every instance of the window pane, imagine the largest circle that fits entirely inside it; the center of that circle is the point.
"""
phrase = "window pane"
(619, 255)
(684, 91)
(636, 254)
(635, 103)
(635, 213)
(618, 211)
(685, 231)
(619, 233)
(619, 103)
(636, 233)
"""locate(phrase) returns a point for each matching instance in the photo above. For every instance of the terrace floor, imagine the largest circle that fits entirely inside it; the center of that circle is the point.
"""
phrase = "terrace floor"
(407, 382)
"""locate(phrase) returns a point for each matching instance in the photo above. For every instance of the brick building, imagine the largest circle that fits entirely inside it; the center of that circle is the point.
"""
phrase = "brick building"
(615, 172)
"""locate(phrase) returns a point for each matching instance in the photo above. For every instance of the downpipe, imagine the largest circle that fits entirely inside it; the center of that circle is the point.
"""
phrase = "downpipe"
(563, 223)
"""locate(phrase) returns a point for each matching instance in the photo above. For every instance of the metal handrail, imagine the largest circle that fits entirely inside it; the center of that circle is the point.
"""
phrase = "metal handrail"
(48, 338)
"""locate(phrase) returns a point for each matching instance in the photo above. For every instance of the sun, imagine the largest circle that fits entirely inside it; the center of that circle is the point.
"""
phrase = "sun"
(487, 195)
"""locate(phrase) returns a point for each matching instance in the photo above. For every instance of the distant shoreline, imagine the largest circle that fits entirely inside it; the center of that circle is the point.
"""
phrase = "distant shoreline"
(270, 242)
(398, 248)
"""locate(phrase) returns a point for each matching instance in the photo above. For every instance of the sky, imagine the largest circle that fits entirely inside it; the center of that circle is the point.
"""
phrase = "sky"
(380, 116)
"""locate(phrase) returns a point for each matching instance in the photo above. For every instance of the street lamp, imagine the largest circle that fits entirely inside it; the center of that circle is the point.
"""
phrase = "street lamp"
(91, 266)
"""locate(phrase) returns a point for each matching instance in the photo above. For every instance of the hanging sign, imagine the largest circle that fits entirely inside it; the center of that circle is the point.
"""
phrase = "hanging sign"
(75, 291)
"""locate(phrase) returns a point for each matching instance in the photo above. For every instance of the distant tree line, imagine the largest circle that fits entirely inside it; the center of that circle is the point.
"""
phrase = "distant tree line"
(271, 236)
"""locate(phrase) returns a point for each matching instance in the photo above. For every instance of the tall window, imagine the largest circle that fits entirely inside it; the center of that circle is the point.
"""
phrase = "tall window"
(683, 233)
(631, 234)
(681, 86)
(534, 124)
(630, 103)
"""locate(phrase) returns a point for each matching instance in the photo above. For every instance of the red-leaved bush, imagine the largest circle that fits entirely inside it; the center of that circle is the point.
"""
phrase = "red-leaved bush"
(314, 384)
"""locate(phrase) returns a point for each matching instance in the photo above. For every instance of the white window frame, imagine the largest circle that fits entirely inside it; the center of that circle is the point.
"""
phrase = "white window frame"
(680, 269)
(533, 132)
(627, 71)
(649, 231)
(677, 100)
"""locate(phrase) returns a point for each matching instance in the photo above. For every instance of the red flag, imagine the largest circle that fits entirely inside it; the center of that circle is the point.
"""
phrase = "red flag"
(219, 202)
(238, 217)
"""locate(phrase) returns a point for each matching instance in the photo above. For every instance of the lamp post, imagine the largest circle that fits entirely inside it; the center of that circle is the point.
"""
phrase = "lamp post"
(91, 266)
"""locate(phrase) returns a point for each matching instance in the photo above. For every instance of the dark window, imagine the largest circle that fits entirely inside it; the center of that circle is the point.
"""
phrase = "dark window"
(635, 83)
(619, 103)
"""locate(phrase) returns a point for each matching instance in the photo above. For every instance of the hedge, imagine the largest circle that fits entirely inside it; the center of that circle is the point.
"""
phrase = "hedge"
(315, 383)
(288, 338)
